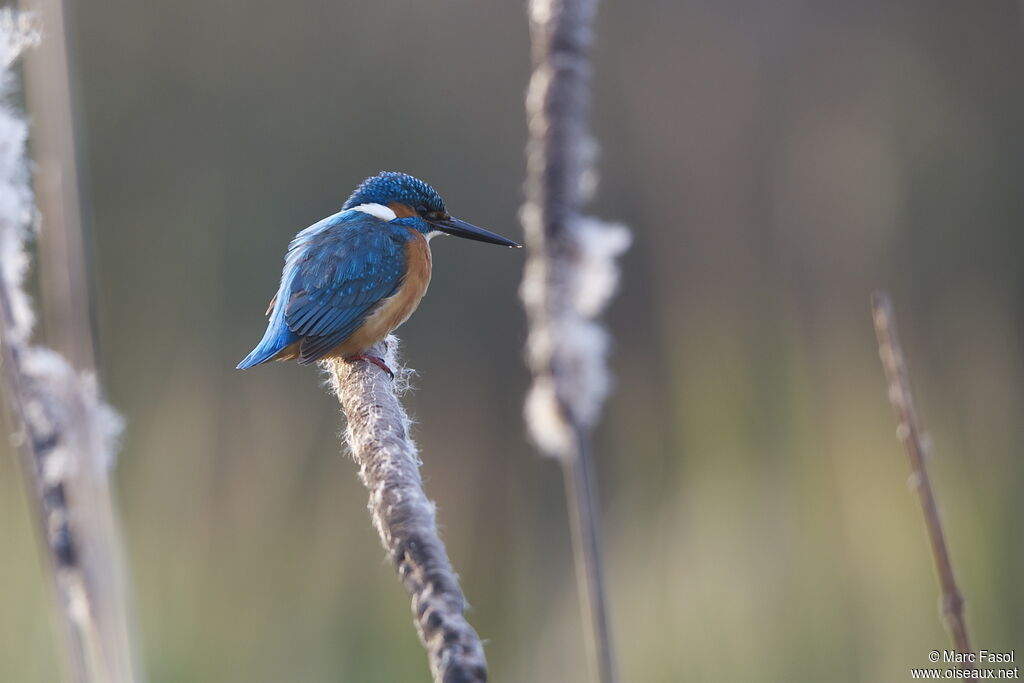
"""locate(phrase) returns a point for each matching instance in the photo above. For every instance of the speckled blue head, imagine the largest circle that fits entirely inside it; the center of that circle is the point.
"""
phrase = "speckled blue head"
(399, 198)
(391, 187)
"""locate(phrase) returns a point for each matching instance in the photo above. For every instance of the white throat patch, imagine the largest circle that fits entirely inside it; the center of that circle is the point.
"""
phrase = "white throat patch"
(378, 210)
(434, 233)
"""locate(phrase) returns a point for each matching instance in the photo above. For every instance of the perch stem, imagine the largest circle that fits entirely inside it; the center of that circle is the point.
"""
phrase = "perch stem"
(377, 434)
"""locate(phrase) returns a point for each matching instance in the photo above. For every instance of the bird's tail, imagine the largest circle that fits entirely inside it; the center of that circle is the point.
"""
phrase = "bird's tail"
(274, 342)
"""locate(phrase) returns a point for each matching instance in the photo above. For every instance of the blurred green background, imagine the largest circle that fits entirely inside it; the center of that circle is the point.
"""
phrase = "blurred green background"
(776, 161)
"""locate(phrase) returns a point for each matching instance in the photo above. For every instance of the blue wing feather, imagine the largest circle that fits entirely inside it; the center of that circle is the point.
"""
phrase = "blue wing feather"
(342, 274)
(336, 273)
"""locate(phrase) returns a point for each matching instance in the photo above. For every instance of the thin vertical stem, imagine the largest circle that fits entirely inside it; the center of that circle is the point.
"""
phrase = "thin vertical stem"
(581, 497)
(909, 431)
(65, 282)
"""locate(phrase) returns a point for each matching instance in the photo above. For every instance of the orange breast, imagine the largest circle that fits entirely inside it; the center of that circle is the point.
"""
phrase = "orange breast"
(397, 308)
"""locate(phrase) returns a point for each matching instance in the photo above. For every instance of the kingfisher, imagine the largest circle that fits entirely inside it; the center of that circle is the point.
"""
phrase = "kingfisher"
(354, 277)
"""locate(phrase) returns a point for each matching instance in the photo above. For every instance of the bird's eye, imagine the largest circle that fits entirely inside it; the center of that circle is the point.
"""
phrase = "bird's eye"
(421, 210)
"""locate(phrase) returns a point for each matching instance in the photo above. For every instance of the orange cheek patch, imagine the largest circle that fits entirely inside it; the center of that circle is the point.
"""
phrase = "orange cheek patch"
(402, 210)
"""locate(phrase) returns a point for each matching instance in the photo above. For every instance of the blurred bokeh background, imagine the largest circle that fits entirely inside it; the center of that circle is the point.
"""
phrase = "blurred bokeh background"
(776, 161)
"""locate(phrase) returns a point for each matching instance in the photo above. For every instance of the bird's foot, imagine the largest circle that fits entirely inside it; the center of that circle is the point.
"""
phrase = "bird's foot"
(376, 360)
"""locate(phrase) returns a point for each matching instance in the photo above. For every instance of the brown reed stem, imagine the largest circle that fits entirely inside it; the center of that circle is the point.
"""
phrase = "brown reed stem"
(917, 447)
(377, 433)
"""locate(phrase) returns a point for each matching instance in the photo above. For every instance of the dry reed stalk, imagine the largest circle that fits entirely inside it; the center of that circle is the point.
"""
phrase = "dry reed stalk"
(915, 443)
(570, 275)
(63, 251)
(377, 433)
(65, 433)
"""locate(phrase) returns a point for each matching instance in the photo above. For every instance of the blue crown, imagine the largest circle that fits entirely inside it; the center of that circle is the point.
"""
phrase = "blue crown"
(391, 186)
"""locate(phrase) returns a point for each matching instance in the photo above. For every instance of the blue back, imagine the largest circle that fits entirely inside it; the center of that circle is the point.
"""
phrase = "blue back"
(335, 273)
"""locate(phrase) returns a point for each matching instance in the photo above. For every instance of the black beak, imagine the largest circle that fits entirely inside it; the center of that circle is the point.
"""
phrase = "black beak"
(453, 226)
